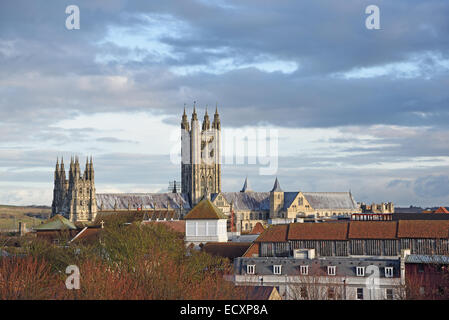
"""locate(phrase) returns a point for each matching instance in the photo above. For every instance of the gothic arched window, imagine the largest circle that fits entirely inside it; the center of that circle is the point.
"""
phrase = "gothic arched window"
(211, 184)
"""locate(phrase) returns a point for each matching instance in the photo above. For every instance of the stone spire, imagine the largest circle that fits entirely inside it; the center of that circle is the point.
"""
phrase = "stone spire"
(86, 169)
(185, 122)
(57, 170)
(77, 167)
(62, 165)
(91, 169)
(246, 187)
(206, 122)
(216, 123)
(277, 186)
(194, 115)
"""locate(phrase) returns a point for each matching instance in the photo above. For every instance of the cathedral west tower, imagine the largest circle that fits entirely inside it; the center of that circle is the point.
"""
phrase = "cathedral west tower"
(201, 155)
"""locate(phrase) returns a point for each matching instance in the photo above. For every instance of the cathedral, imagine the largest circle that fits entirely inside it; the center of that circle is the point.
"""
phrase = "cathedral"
(77, 200)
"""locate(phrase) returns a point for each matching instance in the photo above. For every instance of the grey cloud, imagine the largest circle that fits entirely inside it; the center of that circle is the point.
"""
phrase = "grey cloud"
(399, 183)
(114, 140)
(432, 186)
(50, 74)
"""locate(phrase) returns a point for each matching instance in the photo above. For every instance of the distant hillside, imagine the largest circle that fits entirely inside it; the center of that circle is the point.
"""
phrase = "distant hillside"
(31, 215)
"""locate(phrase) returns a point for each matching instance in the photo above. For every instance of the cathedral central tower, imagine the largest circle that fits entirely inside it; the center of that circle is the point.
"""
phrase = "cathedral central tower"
(201, 156)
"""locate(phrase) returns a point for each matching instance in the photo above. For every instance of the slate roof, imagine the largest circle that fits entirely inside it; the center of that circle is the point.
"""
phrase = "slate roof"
(345, 266)
(421, 258)
(148, 200)
(248, 200)
(243, 201)
(256, 201)
(57, 222)
(331, 200)
(205, 209)
(420, 216)
(288, 199)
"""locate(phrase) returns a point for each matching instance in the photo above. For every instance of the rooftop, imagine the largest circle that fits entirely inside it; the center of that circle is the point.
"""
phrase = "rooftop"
(356, 230)
(205, 209)
(57, 222)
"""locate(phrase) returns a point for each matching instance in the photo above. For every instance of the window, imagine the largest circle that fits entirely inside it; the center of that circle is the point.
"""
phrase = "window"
(277, 269)
(360, 271)
(190, 228)
(388, 272)
(250, 269)
(331, 270)
(389, 294)
(304, 270)
(359, 293)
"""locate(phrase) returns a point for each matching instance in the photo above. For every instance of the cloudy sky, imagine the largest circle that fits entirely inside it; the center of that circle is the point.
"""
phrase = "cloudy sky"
(355, 109)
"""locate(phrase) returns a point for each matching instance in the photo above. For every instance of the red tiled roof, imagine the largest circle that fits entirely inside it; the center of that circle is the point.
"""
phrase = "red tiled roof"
(274, 233)
(88, 235)
(441, 210)
(258, 292)
(372, 230)
(423, 229)
(253, 249)
(229, 250)
(258, 229)
(356, 230)
(318, 231)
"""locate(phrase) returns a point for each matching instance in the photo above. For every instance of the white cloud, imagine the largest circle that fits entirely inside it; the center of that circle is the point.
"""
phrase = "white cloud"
(262, 63)
(426, 65)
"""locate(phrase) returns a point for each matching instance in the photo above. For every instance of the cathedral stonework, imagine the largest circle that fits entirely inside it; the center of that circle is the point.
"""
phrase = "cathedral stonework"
(75, 197)
(200, 153)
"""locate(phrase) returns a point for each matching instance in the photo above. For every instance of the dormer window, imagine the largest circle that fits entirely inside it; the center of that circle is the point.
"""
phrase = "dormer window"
(277, 269)
(389, 272)
(360, 271)
(331, 270)
(304, 270)
(250, 269)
